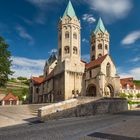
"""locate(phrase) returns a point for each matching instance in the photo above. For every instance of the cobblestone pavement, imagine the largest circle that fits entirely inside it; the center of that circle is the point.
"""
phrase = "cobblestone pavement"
(123, 126)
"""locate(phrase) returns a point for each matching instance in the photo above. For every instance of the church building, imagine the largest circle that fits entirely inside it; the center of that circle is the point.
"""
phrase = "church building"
(66, 76)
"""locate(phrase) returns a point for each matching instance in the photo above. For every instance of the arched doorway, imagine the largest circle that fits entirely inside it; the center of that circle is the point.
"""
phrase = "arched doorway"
(91, 90)
(109, 91)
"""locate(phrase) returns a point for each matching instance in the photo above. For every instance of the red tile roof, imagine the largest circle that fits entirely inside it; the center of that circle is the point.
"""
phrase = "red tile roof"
(38, 80)
(10, 96)
(96, 62)
(126, 81)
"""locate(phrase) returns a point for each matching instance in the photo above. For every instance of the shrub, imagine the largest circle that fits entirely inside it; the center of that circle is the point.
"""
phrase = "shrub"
(130, 102)
(138, 95)
(122, 95)
(27, 82)
(133, 102)
(130, 96)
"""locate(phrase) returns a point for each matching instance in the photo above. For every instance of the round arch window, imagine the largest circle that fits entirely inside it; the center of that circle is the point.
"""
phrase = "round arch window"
(100, 46)
(75, 36)
(75, 50)
(100, 55)
(67, 34)
(66, 49)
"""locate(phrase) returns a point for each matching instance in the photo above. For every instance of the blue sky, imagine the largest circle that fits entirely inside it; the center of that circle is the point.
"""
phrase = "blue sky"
(30, 28)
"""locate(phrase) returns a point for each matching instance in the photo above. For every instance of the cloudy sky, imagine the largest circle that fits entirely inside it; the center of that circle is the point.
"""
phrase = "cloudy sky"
(30, 28)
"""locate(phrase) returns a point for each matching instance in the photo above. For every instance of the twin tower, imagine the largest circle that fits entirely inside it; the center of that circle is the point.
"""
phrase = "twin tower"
(69, 38)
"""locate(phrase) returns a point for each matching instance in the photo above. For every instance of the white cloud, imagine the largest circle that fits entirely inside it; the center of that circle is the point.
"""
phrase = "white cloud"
(28, 21)
(88, 18)
(111, 9)
(136, 59)
(40, 18)
(86, 57)
(27, 67)
(131, 38)
(24, 34)
(53, 51)
(134, 72)
(85, 40)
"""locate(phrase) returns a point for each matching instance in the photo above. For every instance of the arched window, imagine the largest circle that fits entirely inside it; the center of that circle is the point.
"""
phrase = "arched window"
(75, 36)
(74, 50)
(66, 49)
(67, 34)
(100, 55)
(100, 46)
(106, 47)
(108, 69)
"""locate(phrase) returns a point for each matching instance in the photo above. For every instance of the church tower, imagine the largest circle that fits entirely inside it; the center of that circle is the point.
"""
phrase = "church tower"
(99, 41)
(69, 36)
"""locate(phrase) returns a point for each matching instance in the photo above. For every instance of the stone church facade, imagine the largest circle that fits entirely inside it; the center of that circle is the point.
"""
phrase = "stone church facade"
(66, 76)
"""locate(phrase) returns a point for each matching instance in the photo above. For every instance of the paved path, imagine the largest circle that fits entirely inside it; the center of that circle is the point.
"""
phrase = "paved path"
(13, 115)
(123, 126)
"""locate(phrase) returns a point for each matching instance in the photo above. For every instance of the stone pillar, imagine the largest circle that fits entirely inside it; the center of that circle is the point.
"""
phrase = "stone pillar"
(17, 103)
(10, 102)
(3, 103)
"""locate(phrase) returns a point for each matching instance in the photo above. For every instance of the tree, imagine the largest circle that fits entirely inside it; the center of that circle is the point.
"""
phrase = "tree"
(5, 62)
(22, 78)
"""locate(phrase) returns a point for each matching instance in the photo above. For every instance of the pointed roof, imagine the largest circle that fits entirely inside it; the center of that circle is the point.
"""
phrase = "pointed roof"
(69, 11)
(100, 26)
(52, 58)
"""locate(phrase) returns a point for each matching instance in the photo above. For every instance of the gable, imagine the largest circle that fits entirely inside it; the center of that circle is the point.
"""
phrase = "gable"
(96, 63)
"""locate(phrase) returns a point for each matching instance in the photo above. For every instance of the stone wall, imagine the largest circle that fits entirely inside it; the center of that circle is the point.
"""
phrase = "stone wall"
(78, 108)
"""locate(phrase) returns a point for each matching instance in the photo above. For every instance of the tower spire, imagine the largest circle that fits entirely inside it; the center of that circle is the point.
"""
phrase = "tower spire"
(69, 10)
(100, 26)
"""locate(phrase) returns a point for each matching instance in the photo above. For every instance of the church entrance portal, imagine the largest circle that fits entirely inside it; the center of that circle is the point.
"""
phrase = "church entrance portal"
(91, 91)
(109, 91)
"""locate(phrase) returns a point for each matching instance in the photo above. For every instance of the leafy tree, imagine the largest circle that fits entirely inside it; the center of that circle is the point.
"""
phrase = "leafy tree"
(22, 78)
(5, 62)
(138, 95)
